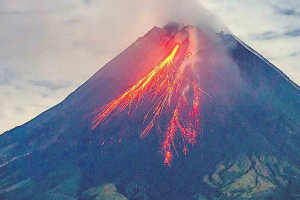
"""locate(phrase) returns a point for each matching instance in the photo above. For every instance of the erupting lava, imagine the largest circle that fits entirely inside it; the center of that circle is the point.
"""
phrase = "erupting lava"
(167, 86)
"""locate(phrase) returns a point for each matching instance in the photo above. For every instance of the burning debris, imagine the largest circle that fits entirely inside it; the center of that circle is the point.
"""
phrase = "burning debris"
(167, 86)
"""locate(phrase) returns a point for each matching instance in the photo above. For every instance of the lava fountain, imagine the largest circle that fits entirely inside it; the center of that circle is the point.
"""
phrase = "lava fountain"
(167, 85)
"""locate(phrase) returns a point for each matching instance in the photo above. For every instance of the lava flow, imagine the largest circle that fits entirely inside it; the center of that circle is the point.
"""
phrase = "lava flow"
(168, 87)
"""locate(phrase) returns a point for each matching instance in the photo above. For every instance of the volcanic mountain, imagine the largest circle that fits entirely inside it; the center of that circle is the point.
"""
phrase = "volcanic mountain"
(182, 113)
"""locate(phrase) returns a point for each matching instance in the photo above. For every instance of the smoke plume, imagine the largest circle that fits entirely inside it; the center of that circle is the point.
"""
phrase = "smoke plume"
(128, 19)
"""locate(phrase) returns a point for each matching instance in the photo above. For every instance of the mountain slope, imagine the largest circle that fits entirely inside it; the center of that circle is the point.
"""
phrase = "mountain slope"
(248, 148)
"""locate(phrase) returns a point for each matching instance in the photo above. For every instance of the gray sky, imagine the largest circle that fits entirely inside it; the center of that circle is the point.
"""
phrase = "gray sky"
(49, 48)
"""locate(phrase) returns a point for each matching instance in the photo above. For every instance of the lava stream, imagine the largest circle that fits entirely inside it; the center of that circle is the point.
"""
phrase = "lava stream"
(167, 86)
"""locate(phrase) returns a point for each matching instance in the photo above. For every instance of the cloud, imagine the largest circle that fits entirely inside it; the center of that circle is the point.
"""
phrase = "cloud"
(295, 54)
(7, 76)
(19, 109)
(71, 21)
(87, 2)
(293, 33)
(269, 35)
(50, 85)
(287, 12)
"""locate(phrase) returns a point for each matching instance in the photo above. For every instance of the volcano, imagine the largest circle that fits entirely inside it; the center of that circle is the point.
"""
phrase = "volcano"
(182, 113)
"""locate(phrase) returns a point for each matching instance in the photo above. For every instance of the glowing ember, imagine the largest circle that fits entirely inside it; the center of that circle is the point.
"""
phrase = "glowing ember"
(167, 86)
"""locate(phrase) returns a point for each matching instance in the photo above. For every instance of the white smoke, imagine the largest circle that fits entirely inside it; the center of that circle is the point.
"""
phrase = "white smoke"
(124, 21)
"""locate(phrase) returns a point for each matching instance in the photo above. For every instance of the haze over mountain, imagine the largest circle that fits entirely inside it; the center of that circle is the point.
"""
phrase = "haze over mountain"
(248, 147)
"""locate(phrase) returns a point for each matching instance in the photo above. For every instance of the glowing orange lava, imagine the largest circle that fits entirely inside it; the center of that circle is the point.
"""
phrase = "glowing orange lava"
(167, 86)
